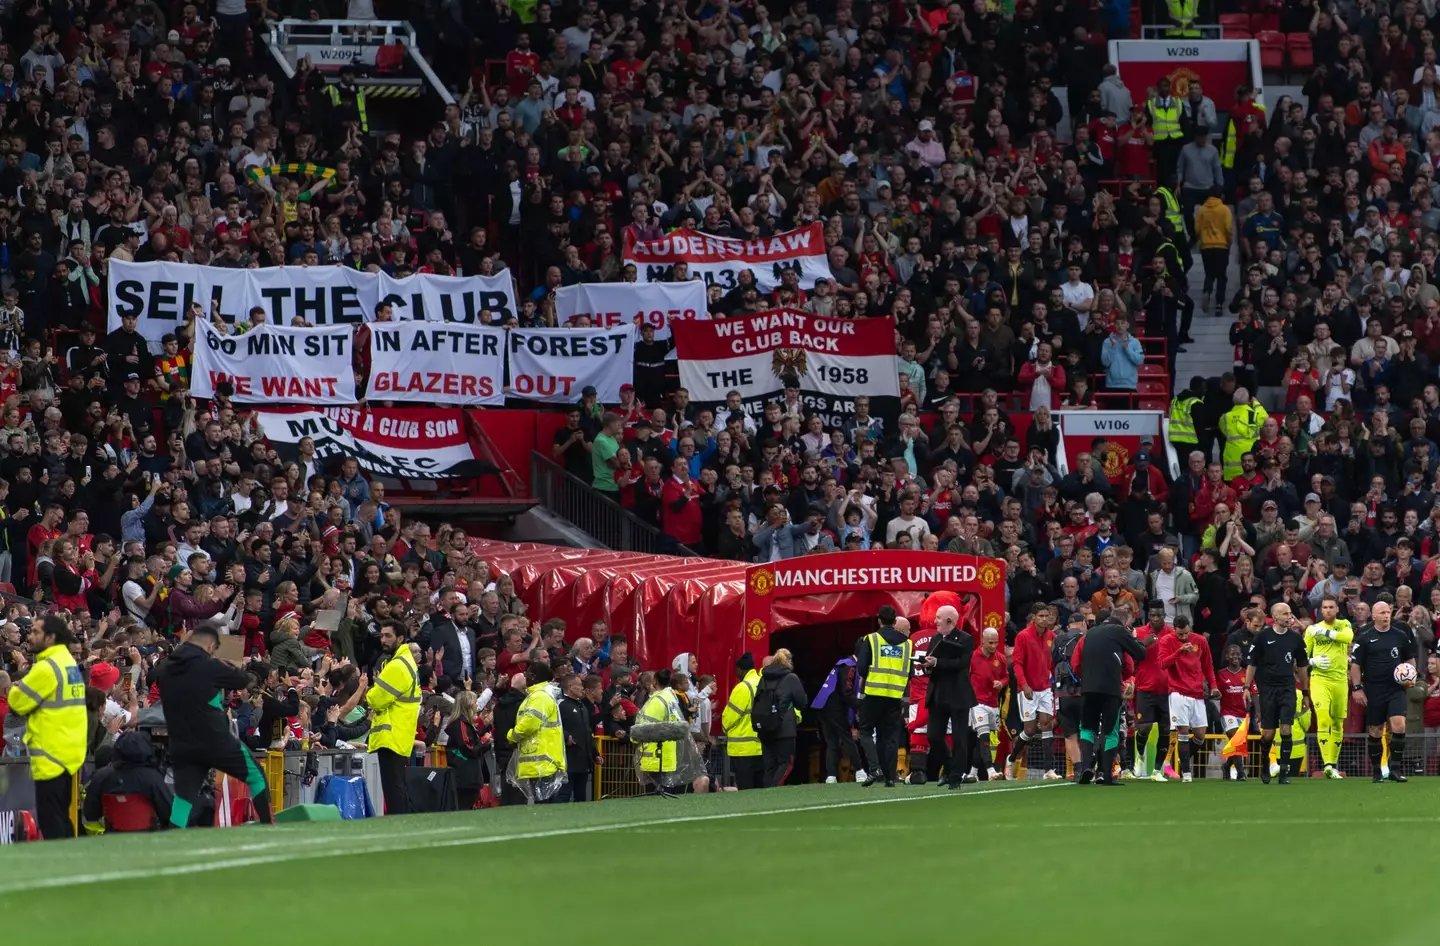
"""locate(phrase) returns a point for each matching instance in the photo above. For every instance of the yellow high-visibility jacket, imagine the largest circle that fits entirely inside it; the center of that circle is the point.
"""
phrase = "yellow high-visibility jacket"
(51, 697)
(740, 738)
(538, 735)
(394, 702)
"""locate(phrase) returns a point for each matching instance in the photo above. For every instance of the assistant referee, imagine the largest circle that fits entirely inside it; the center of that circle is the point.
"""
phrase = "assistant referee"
(1277, 661)
(1379, 649)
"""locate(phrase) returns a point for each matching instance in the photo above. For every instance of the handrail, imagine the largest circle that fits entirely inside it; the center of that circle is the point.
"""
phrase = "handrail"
(580, 504)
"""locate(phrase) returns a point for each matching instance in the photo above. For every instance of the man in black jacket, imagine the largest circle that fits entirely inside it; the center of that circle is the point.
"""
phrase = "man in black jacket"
(579, 729)
(949, 697)
(881, 710)
(192, 684)
(1101, 654)
(132, 770)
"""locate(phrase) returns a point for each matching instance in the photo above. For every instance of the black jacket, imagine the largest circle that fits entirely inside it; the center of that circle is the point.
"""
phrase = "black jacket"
(579, 729)
(463, 751)
(191, 683)
(1103, 658)
(507, 709)
(444, 633)
(792, 697)
(132, 771)
(950, 677)
(863, 656)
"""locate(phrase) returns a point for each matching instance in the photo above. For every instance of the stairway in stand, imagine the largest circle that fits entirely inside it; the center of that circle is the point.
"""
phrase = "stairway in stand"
(1211, 354)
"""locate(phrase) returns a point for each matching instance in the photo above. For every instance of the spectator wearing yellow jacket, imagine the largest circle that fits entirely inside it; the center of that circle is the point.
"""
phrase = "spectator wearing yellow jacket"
(741, 743)
(51, 697)
(394, 703)
(540, 739)
(1215, 229)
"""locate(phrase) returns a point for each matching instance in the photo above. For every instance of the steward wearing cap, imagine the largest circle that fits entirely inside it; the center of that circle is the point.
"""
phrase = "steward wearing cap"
(742, 745)
(347, 101)
(51, 697)
(885, 659)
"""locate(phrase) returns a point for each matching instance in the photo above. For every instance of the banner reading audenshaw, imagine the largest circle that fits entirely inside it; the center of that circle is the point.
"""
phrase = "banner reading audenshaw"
(612, 304)
(834, 360)
(159, 295)
(272, 364)
(554, 365)
(720, 260)
(410, 442)
(437, 363)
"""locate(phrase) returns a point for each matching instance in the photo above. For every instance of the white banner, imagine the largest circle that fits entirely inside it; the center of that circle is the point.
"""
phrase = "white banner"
(274, 364)
(160, 294)
(411, 442)
(437, 364)
(611, 304)
(1109, 423)
(554, 365)
(720, 260)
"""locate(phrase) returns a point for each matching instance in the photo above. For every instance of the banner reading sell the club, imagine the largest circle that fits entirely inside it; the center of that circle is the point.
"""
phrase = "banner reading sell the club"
(159, 295)
(834, 360)
(554, 365)
(720, 260)
(409, 442)
(274, 364)
(437, 363)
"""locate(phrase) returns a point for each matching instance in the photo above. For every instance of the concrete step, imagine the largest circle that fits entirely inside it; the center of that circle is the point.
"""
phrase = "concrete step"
(1211, 354)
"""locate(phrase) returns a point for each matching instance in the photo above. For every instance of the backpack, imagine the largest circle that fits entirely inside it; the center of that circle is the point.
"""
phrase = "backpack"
(765, 709)
(1062, 649)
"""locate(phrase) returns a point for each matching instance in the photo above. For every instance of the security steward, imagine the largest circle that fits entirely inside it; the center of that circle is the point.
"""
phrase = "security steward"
(949, 697)
(1240, 426)
(347, 101)
(1183, 14)
(539, 735)
(659, 759)
(192, 684)
(1101, 657)
(51, 697)
(394, 703)
(742, 745)
(1182, 417)
(885, 659)
(1165, 122)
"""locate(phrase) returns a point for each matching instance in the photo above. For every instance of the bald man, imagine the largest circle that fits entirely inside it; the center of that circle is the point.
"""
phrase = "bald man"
(949, 698)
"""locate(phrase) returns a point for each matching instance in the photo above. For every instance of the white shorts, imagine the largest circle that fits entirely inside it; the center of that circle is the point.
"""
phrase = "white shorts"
(1187, 711)
(984, 719)
(1232, 723)
(1042, 705)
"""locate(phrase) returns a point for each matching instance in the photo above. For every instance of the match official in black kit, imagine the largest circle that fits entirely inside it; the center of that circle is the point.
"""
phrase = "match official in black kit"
(1101, 657)
(1381, 647)
(1277, 662)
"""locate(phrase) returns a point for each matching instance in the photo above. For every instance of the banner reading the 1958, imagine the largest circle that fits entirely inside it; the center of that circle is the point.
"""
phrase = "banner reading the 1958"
(834, 361)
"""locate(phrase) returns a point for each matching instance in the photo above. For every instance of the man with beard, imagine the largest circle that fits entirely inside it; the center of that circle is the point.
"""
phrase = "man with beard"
(394, 703)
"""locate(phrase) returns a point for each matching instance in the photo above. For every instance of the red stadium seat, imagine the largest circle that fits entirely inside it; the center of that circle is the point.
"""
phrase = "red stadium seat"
(1272, 50)
(1154, 404)
(128, 813)
(1302, 54)
(1146, 388)
(1264, 21)
(1234, 21)
(6, 588)
(1238, 34)
(1152, 369)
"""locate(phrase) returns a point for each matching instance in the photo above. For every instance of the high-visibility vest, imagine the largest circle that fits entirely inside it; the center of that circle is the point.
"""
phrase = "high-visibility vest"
(1166, 257)
(660, 708)
(1227, 160)
(889, 672)
(334, 92)
(740, 737)
(1183, 13)
(1182, 424)
(394, 702)
(1165, 121)
(538, 736)
(1172, 209)
(1240, 426)
(51, 697)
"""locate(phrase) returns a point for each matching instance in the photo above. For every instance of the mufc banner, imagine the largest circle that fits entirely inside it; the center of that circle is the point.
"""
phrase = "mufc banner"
(720, 260)
(159, 295)
(1220, 65)
(834, 361)
(612, 304)
(272, 364)
(1122, 432)
(437, 363)
(554, 365)
(404, 442)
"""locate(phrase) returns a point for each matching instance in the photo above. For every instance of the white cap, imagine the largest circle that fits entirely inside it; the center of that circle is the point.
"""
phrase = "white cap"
(173, 36)
(927, 125)
(222, 61)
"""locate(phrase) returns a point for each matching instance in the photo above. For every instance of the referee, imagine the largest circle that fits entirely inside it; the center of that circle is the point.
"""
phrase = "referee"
(1379, 649)
(1277, 660)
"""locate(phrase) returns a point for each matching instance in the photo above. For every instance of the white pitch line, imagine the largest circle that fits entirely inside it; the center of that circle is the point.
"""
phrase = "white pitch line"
(337, 845)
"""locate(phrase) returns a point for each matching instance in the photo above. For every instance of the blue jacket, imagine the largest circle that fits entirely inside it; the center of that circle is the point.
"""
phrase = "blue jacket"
(1122, 362)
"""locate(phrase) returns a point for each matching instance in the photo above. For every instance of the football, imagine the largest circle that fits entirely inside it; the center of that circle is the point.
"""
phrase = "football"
(1405, 674)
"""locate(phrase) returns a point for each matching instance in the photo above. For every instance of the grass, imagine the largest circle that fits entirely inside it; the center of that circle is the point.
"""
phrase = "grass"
(1324, 862)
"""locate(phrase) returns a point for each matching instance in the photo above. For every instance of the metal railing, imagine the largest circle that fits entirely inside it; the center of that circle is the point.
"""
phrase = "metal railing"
(580, 504)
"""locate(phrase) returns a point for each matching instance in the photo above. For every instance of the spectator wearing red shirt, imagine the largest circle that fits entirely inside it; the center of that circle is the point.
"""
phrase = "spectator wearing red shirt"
(46, 530)
(1387, 154)
(1212, 493)
(1190, 675)
(521, 64)
(627, 69)
(680, 505)
(1031, 658)
(989, 675)
(1133, 140)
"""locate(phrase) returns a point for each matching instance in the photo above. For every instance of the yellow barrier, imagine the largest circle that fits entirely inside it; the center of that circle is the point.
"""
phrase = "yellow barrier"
(615, 773)
(272, 766)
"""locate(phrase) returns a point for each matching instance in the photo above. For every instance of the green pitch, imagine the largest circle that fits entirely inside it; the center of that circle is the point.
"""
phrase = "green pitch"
(1319, 862)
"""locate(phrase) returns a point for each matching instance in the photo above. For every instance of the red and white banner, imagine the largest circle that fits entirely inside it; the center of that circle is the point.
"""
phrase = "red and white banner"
(1221, 65)
(437, 363)
(555, 365)
(833, 360)
(720, 260)
(408, 442)
(274, 364)
(1122, 430)
(612, 304)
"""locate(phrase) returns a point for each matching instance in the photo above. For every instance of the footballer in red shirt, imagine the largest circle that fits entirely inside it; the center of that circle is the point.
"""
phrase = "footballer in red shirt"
(988, 678)
(1190, 672)
(1031, 659)
(1233, 698)
(1152, 694)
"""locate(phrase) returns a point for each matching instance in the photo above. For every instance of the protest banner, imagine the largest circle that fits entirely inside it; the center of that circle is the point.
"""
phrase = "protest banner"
(406, 442)
(720, 260)
(274, 364)
(437, 363)
(554, 365)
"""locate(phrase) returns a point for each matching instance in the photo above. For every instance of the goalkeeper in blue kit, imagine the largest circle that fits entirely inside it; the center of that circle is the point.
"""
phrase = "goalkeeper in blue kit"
(1327, 645)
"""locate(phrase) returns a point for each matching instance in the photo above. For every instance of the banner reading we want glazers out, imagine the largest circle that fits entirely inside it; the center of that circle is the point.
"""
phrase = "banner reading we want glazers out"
(834, 360)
